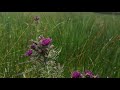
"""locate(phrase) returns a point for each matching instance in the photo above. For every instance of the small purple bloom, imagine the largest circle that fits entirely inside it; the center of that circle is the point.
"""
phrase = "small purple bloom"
(28, 53)
(46, 41)
(32, 46)
(88, 74)
(76, 74)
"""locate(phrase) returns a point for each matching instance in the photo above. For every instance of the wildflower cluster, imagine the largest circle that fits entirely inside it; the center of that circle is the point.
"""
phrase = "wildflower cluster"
(85, 74)
(43, 53)
(40, 49)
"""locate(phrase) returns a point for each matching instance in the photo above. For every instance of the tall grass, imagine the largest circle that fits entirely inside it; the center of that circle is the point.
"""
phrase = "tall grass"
(88, 40)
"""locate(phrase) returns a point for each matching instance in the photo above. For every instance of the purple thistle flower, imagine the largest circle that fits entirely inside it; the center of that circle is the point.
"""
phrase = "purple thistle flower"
(76, 74)
(88, 74)
(33, 46)
(28, 53)
(46, 41)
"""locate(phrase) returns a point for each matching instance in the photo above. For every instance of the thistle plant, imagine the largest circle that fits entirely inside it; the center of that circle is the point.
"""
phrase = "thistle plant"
(85, 74)
(37, 19)
(40, 49)
(43, 54)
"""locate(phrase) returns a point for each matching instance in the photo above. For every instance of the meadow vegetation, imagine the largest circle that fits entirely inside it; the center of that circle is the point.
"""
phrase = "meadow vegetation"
(88, 41)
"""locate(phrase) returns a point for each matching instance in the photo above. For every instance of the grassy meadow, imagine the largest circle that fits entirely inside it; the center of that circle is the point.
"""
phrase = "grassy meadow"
(89, 41)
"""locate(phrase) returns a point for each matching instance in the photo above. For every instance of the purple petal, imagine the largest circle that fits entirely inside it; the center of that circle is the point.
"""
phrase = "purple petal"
(76, 74)
(28, 53)
(46, 41)
(88, 74)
